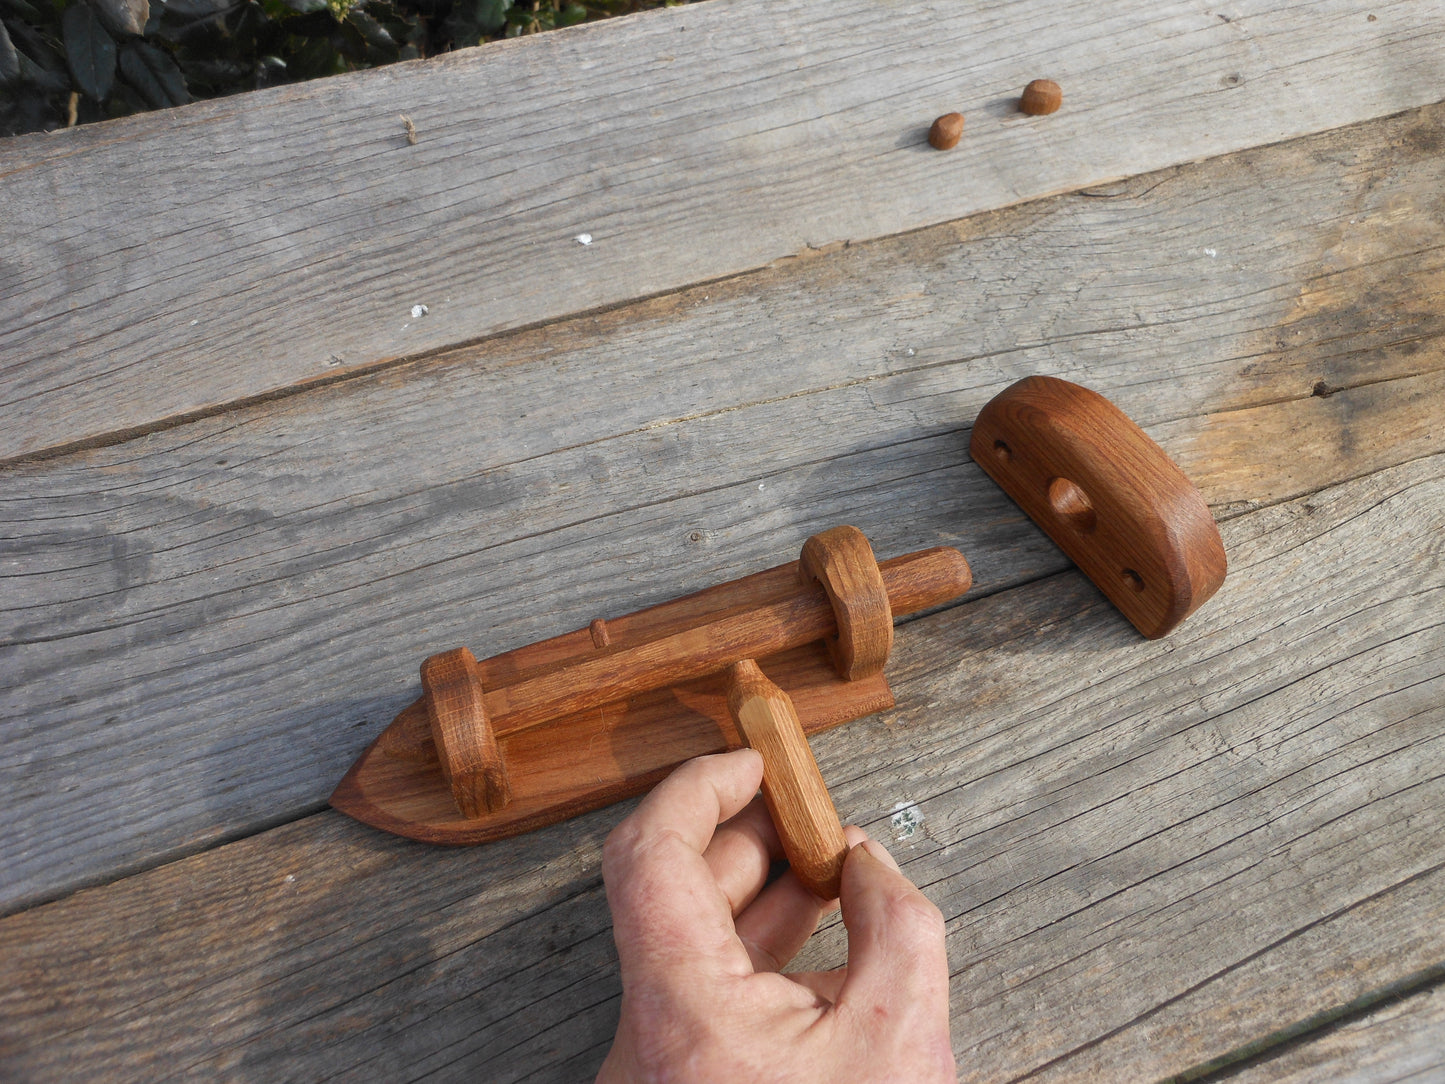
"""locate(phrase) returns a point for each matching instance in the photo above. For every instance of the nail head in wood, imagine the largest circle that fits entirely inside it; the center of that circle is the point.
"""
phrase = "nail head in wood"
(465, 743)
(841, 559)
(1107, 495)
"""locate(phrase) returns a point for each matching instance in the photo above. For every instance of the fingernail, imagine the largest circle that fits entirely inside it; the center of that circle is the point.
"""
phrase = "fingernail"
(880, 852)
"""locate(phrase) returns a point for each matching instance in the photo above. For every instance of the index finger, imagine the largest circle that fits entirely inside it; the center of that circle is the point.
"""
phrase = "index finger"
(699, 796)
(666, 903)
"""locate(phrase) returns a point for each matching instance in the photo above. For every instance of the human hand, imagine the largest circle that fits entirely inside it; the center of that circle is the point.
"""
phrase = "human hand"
(701, 942)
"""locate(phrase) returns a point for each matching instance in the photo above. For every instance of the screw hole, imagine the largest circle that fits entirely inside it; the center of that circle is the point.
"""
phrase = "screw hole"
(1002, 452)
(1071, 503)
(1132, 580)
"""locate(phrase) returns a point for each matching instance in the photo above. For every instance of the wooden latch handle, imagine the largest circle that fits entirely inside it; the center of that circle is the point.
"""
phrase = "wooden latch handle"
(465, 742)
(793, 788)
(1107, 495)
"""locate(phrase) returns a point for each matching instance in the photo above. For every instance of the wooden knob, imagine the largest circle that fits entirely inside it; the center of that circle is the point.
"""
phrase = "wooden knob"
(793, 788)
(842, 561)
(1106, 494)
(466, 745)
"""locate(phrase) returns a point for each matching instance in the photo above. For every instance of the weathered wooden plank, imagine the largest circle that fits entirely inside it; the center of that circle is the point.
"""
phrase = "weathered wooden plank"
(161, 265)
(1241, 822)
(233, 608)
(1403, 1039)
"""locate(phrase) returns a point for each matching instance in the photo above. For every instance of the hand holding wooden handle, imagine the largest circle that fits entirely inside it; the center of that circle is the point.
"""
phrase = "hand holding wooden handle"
(793, 787)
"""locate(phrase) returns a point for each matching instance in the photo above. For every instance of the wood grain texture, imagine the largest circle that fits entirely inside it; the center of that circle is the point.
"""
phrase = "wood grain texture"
(464, 745)
(1402, 1040)
(1107, 495)
(238, 592)
(623, 716)
(1148, 852)
(245, 245)
(842, 563)
(793, 788)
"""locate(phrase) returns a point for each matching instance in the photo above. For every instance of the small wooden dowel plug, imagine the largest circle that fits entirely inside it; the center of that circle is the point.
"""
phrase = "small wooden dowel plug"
(466, 745)
(793, 788)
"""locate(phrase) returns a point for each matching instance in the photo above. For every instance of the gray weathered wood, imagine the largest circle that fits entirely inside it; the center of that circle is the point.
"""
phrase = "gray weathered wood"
(217, 618)
(1402, 1040)
(1148, 853)
(164, 264)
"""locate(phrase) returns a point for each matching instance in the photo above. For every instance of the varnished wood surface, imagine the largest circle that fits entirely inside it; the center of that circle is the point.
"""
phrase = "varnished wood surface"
(794, 790)
(176, 262)
(1107, 495)
(254, 589)
(632, 710)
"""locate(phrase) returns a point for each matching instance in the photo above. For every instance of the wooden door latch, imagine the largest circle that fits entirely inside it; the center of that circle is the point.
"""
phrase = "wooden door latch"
(499, 746)
(507, 744)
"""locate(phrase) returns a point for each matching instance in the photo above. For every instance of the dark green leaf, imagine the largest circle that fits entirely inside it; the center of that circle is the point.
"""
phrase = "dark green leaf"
(154, 75)
(197, 9)
(123, 16)
(9, 59)
(571, 14)
(44, 78)
(88, 49)
(490, 15)
(22, 8)
(374, 33)
(305, 7)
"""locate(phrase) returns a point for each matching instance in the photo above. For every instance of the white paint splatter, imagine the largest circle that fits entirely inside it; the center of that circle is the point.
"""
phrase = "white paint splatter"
(907, 819)
(418, 311)
(909, 352)
(583, 238)
(1211, 253)
(760, 485)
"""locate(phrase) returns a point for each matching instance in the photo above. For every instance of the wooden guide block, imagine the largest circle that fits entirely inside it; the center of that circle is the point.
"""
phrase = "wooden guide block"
(842, 561)
(462, 738)
(1107, 495)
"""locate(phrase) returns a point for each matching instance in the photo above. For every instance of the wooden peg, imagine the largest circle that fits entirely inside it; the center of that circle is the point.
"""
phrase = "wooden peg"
(793, 788)
(841, 559)
(1107, 495)
(466, 745)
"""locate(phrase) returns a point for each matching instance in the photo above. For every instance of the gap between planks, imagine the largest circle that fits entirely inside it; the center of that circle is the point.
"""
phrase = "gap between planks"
(1418, 998)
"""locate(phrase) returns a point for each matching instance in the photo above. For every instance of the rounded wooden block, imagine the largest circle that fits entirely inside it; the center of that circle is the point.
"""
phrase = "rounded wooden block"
(842, 561)
(1107, 495)
(465, 743)
(793, 788)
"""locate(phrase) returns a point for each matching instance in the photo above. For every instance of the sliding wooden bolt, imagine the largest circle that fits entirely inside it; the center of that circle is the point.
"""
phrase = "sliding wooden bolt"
(793, 787)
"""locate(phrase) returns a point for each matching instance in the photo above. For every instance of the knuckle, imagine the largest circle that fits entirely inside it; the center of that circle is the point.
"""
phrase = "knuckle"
(917, 917)
(619, 846)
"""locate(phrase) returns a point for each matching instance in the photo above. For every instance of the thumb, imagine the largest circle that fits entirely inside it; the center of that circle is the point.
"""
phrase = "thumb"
(897, 965)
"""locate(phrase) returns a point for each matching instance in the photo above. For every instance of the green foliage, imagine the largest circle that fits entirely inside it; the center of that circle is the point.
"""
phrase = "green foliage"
(73, 61)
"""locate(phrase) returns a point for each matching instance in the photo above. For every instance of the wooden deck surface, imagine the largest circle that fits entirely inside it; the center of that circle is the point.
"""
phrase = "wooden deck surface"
(1217, 856)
